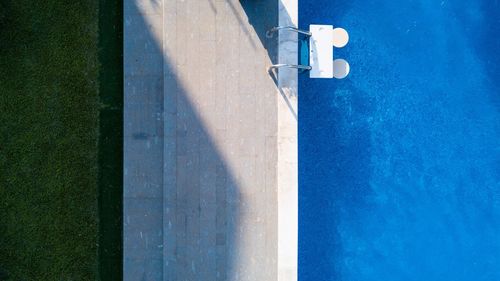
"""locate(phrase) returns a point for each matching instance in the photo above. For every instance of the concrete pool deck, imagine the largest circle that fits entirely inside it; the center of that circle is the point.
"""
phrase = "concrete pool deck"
(210, 141)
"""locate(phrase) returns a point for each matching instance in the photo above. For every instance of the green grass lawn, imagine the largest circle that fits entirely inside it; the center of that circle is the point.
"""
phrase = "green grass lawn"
(49, 120)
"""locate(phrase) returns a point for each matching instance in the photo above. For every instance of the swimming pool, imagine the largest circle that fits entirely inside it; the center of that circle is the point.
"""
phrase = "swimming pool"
(399, 165)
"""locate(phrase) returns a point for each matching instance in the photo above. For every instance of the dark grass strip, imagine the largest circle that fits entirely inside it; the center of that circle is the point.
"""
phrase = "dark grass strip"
(48, 139)
(110, 140)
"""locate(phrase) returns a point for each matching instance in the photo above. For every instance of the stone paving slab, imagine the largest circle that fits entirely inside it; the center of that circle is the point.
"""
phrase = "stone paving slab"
(202, 137)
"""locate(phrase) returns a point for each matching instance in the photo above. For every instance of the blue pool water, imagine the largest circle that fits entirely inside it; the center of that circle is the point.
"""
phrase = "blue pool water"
(400, 162)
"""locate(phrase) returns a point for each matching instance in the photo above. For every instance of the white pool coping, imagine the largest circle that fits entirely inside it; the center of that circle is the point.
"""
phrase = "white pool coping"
(287, 145)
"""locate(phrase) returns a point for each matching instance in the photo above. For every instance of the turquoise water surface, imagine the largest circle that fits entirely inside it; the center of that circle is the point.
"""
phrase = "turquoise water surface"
(399, 164)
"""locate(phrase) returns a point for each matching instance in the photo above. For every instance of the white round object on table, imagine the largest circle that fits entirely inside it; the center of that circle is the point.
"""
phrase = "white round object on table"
(341, 68)
(340, 37)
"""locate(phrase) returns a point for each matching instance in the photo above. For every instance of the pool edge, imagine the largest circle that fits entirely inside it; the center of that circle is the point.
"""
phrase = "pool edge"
(287, 169)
